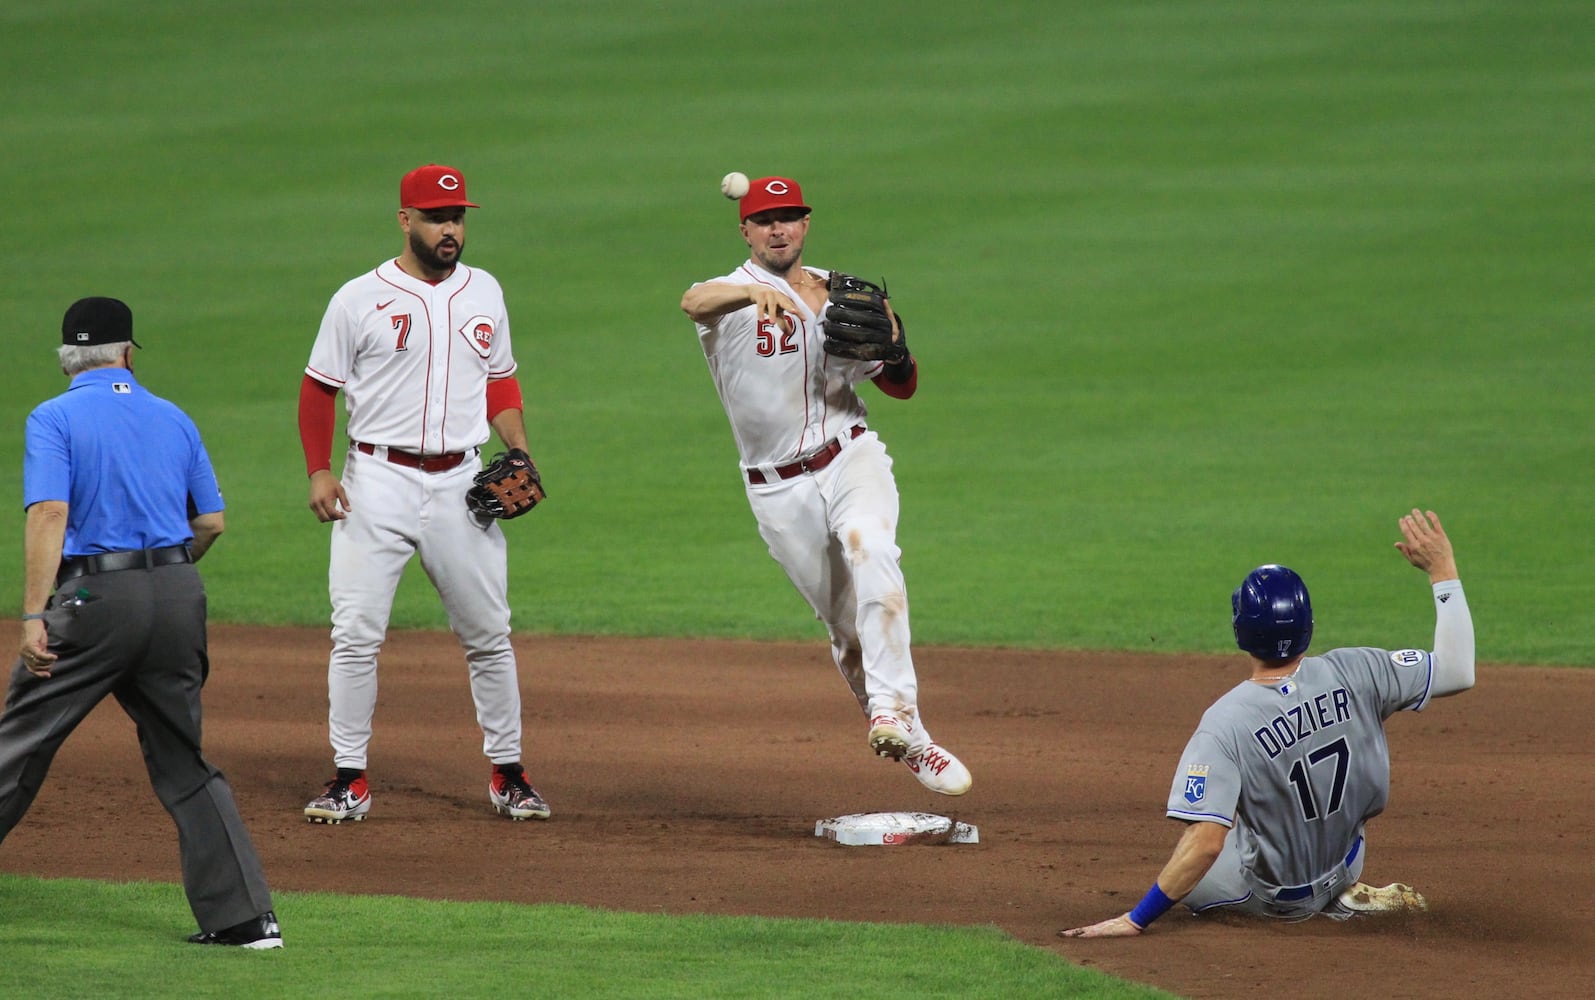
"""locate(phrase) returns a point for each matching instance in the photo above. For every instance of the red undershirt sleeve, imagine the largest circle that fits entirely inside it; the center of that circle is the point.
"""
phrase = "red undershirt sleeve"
(503, 394)
(316, 421)
(903, 389)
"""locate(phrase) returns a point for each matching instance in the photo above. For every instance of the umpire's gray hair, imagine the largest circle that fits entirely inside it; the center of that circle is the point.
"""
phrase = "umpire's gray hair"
(75, 359)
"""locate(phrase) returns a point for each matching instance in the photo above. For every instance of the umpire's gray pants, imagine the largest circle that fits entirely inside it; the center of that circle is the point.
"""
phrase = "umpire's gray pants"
(139, 635)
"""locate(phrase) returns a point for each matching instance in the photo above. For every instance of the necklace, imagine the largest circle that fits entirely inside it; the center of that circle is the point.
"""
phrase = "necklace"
(809, 280)
(1275, 680)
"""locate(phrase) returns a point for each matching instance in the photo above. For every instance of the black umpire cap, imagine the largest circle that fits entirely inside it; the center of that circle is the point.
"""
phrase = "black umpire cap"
(97, 320)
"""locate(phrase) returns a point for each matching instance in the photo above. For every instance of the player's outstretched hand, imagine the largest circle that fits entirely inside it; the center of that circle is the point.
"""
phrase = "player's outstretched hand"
(1119, 926)
(1427, 546)
(771, 303)
(327, 497)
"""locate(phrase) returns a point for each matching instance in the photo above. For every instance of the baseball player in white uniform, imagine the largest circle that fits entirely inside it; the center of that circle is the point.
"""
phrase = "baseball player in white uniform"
(420, 347)
(1285, 769)
(819, 481)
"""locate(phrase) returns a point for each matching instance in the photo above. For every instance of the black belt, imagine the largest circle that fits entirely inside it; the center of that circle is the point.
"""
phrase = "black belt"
(809, 463)
(1300, 892)
(115, 562)
(410, 460)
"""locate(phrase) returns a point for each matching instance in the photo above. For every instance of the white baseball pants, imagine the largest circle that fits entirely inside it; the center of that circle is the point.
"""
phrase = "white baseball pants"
(834, 532)
(396, 512)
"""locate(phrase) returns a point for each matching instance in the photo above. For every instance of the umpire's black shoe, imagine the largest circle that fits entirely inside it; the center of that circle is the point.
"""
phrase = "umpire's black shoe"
(258, 933)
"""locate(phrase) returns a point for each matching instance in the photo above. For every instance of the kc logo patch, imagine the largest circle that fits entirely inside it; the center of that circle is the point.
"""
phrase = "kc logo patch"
(1408, 657)
(1195, 783)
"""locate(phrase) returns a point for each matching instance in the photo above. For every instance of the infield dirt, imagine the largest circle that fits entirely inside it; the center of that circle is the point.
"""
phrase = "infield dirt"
(686, 777)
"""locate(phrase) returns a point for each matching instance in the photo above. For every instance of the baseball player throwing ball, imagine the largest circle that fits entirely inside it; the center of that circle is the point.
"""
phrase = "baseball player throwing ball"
(1285, 769)
(420, 347)
(787, 345)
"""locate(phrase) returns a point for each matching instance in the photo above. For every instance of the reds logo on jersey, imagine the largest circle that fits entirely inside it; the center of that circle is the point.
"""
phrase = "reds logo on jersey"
(478, 332)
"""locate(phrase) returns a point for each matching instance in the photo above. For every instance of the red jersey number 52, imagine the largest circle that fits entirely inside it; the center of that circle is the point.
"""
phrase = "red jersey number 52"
(773, 340)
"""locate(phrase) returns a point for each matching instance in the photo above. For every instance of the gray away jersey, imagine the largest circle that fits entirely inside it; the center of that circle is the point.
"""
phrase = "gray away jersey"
(1297, 766)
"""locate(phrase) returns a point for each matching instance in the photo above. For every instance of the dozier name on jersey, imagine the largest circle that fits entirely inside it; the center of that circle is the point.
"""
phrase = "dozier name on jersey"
(1300, 721)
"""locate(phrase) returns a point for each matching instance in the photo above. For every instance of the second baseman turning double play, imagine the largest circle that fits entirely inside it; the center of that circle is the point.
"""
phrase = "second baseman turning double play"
(786, 345)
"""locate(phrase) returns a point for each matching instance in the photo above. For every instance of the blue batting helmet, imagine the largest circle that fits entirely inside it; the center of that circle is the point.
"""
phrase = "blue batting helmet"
(1273, 616)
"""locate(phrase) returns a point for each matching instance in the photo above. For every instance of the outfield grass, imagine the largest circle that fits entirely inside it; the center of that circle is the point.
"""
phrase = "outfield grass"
(1194, 287)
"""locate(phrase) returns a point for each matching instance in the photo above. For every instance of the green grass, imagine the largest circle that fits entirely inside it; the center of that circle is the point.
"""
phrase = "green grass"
(1194, 287)
(73, 938)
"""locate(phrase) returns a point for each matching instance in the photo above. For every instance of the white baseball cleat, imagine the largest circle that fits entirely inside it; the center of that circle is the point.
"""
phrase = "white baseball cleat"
(344, 799)
(888, 736)
(1393, 898)
(938, 770)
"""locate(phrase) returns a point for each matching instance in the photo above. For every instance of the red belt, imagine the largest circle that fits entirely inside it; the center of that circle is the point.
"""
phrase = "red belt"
(410, 460)
(812, 463)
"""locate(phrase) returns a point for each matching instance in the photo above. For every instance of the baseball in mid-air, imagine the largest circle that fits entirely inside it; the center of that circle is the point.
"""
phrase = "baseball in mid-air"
(734, 185)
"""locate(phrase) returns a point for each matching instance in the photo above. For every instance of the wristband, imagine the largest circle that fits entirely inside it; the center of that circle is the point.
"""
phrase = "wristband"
(34, 618)
(1153, 905)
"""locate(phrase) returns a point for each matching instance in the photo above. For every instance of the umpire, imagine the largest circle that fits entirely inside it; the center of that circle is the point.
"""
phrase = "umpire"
(121, 501)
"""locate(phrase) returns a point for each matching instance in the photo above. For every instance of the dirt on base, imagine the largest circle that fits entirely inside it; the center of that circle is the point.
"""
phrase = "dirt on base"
(686, 777)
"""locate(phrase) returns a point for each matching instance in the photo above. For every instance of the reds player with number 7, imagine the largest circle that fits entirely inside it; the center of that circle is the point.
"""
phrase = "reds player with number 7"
(420, 347)
(819, 481)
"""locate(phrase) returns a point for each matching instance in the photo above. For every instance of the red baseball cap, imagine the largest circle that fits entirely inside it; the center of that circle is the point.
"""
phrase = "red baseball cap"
(433, 186)
(772, 192)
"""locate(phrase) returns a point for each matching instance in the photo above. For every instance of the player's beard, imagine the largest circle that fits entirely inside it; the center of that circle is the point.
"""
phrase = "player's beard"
(781, 261)
(429, 257)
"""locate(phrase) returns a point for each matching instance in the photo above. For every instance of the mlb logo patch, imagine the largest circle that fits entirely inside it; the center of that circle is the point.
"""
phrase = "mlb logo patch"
(1195, 783)
(1408, 657)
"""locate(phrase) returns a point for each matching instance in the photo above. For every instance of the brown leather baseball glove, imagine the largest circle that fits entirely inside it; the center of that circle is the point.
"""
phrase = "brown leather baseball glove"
(507, 487)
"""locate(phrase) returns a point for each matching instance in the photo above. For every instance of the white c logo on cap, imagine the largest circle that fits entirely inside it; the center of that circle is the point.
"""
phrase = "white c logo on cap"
(448, 182)
(776, 187)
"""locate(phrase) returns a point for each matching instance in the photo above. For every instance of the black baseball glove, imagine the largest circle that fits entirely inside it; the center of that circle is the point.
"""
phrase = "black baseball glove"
(859, 324)
(507, 487)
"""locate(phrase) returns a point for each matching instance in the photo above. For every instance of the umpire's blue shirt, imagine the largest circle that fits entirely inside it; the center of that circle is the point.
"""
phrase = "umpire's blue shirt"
(129, 465)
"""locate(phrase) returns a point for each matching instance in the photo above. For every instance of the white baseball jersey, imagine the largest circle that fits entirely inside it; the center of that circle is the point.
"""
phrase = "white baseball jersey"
(784, 395)
(413, 358)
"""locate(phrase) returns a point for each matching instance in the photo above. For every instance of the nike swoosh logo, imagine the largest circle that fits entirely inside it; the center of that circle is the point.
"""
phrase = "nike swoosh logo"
(383, 305)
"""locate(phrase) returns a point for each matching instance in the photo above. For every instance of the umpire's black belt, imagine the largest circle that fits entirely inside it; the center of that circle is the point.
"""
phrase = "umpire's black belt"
(114, 562)
(809, 463)
(1300, 892)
